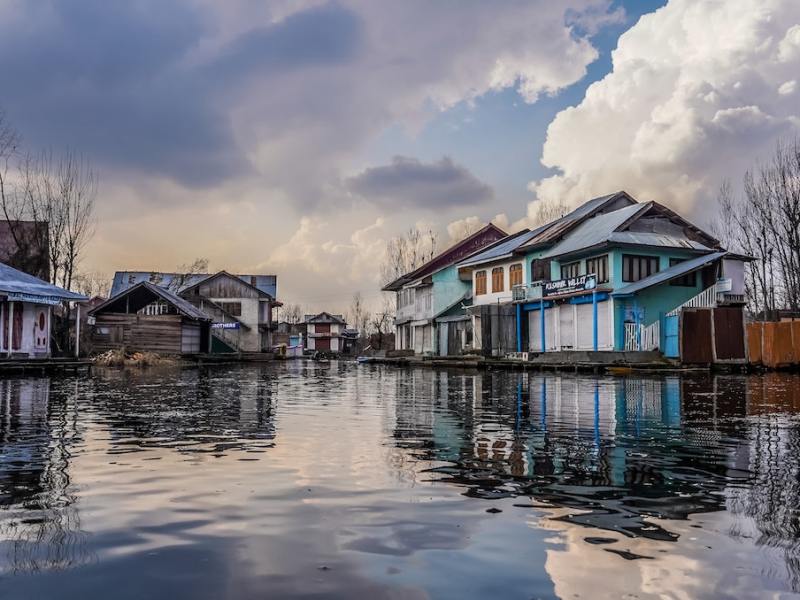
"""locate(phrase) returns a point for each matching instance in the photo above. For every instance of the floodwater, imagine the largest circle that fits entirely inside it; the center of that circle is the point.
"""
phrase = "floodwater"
(300, 479)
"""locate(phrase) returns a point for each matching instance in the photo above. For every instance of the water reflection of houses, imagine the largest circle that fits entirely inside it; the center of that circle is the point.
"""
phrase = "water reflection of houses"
(207, 412)
(40, 525)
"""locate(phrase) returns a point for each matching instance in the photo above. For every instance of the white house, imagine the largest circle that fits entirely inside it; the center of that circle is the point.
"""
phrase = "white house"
(26, 304)
(324, 332)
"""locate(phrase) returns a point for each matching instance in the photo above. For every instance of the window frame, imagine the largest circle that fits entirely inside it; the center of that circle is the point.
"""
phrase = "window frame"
(574, 265)
(480, 282)
(683, 280)
(602, 259)
(515, 272)
(631, 274)
(501, 271)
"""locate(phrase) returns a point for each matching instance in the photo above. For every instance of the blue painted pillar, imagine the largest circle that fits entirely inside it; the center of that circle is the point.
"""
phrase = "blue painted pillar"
(519, 327)
(636, 322)
(594, 320)
(541, 323)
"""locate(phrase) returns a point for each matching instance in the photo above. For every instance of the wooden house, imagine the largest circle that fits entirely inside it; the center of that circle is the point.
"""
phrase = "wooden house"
(125, 321)
(241, 312)
(26, 304)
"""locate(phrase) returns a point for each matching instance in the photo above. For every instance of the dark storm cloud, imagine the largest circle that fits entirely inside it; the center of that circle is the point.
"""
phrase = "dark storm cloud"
(119, 80)
(407, 182)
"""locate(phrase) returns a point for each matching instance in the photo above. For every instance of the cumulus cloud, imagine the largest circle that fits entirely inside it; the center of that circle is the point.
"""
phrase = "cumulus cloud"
(201, 92)
(697, 92)
(412, 183)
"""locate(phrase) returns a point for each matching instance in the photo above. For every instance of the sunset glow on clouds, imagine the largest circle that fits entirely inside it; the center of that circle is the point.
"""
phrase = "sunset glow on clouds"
(297, 137)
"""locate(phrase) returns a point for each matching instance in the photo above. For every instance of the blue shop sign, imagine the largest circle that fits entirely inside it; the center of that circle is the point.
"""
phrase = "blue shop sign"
(225, 326)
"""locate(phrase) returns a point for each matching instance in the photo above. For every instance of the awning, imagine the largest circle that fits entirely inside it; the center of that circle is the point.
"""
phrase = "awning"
(675, 271)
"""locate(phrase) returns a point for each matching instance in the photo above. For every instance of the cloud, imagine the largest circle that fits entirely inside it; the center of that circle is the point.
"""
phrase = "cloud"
(698, 91)
(408, 182)
(286, 93)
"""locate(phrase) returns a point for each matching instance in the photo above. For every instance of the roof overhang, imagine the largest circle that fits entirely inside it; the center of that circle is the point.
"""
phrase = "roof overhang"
(667, 275)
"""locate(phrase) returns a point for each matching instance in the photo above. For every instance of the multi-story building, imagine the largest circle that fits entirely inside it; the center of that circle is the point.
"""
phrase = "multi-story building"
(430, 317)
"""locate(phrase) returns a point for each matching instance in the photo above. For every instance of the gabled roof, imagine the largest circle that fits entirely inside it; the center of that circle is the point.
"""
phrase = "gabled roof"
(324, 317)
(613, 229)
(674, 271)
(500, 250)
(450, 256)
(137, 297)
(13, 281)
(177, 282)
(219, 274)
(555, 230)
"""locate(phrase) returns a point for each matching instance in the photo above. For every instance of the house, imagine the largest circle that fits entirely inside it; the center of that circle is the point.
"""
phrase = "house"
(516, 261)
(325, 332)
(429, 315)
(26, 313)
(622, 276)
(126, 321)
(240, 306)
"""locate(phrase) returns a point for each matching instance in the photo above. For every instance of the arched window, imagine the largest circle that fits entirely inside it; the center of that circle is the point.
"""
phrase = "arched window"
(497, 279)
(515, 275)
(480, 283)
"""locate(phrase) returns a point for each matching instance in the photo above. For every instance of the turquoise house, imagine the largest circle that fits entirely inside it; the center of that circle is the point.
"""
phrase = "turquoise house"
(615, 280)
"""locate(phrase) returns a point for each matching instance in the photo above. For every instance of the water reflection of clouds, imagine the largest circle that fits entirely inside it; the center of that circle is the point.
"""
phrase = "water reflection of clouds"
(626, 455)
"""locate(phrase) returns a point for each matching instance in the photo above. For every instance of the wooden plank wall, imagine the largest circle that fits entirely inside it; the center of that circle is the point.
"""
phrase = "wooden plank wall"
(774, 345)
(142, 333)
(226, 287)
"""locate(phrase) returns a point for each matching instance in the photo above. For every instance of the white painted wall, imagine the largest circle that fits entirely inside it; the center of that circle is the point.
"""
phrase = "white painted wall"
(492, 297)
(569, 327)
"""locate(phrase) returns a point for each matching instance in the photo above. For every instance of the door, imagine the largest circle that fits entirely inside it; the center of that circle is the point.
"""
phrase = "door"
(696, 345)
(566, 326)
(323, 344)
(41, 330)
(443, 336)
(16, 330)
(671, 349)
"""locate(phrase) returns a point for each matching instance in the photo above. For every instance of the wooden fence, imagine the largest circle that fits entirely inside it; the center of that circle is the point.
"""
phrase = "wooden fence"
(774, 345)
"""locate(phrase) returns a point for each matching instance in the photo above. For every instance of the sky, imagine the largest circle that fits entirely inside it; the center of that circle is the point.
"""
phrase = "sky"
(296, 137)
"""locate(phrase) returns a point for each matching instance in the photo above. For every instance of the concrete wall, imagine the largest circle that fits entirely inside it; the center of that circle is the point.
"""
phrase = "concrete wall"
(448, 288)
(30, 330)
(492, 297)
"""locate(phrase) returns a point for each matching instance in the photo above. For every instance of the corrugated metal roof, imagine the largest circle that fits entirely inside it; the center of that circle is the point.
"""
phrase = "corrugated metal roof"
(674, 271)
(643, 238)
(127, 279)
(594, 231)
(500, 250)
(551, 231)
(184, 307)
(13, 281)
(324, 317)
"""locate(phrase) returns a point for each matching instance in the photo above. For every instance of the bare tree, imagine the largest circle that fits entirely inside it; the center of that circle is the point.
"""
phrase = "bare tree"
(765, 223)
(548, 211)
(185, 273)
(292, 313)
(408, 252)
(358, 315)
(381, 322)
(91, 284)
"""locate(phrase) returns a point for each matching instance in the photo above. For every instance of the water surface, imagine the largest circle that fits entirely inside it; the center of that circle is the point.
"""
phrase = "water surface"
(337, 480)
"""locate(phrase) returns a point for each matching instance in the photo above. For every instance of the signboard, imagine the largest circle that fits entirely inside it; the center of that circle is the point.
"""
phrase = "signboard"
(33, 298)
(634, 314)
(568, 286)
(225, 326)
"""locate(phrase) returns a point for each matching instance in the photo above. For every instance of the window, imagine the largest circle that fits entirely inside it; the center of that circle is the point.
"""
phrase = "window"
(570, 270)
(599, 267)
(232, 308)
(540, 270)
(480, 283)
(635, 268)
(688, 280)
(497, 279)
(515, 275)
